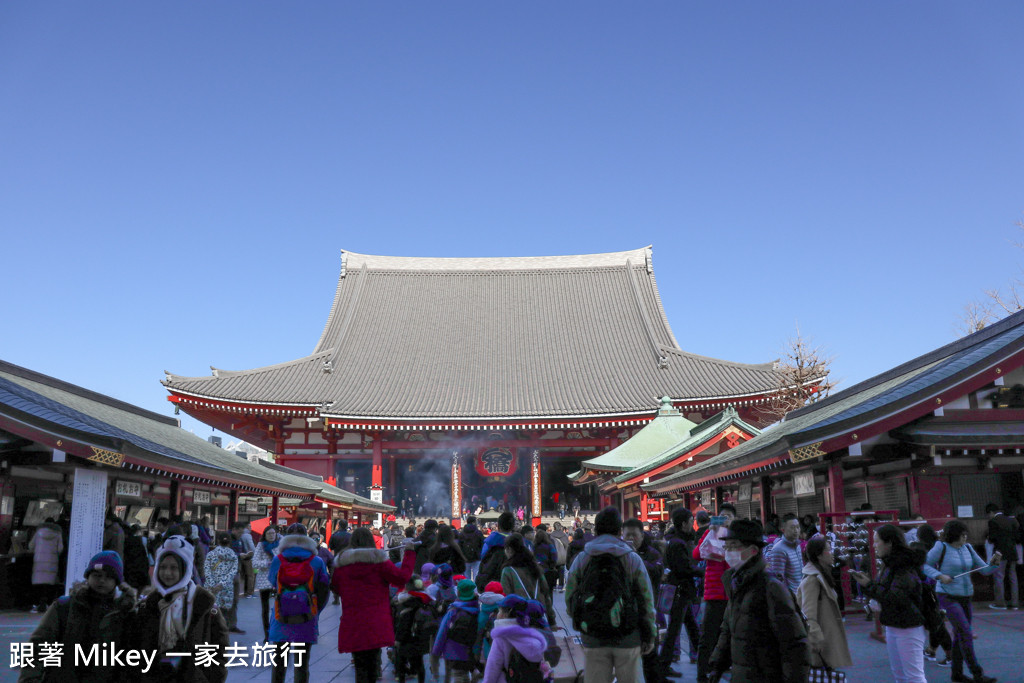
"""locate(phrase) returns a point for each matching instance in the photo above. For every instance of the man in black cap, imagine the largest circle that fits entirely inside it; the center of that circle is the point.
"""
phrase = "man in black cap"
(763, 637)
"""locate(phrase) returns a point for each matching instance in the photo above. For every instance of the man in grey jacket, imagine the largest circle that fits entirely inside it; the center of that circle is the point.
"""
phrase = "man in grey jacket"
(613, 655)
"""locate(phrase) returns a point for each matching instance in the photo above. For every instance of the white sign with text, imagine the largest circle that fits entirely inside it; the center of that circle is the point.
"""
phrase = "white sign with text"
(88, 508)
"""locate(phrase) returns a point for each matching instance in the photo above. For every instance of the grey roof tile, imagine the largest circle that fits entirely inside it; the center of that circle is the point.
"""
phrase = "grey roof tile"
(903, 385)
(71, 407)
(545, 337)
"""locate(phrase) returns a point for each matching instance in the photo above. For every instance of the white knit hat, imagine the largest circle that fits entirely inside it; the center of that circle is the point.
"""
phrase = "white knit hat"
(183, 550)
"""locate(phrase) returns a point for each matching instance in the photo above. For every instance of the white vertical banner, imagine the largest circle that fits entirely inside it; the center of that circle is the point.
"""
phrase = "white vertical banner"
(377, 496)
(456, 487)
(88, 509)
(536, 500)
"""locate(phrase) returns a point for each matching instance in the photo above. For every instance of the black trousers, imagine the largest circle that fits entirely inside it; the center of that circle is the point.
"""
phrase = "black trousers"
(714, 612)
(680, 615)
(265, 595)
(366, 663)
(281, 664)
(408, 662)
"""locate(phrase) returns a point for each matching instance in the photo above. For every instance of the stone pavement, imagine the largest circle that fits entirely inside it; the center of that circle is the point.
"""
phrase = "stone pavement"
(1000, 647)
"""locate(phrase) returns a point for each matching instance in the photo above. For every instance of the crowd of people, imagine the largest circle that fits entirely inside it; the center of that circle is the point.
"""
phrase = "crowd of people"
(478, 602)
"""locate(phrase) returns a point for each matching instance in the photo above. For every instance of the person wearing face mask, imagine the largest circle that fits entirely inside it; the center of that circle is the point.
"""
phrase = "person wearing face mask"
(715, 598)
(763, 637)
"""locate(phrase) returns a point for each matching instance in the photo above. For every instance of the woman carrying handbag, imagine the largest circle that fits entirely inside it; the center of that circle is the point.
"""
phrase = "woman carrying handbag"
(818, 599)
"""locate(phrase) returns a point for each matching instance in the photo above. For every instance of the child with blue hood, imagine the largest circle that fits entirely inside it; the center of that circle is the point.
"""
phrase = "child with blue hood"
(518, 641)
(457, 634)
(298, 575)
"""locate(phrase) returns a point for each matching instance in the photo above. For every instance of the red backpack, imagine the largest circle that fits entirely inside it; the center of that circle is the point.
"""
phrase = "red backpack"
(296, 600)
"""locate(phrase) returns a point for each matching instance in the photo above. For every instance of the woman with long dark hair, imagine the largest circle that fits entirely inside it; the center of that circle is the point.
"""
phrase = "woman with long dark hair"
(446, 550)
(361, 577)
(938, 636)
(949, 563)
(818, 600)
(546, 554)
(522, 575)
(266, 551)
(899, 591)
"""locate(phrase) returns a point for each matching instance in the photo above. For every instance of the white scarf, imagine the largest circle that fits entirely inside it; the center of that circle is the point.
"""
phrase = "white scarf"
(175, 613)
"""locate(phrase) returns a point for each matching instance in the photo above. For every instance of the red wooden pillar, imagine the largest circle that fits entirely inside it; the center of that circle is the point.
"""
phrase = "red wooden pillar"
(836, 496)
(378, 468)
(377, 476)
(765, 485)
(275, 508)
(643, 506)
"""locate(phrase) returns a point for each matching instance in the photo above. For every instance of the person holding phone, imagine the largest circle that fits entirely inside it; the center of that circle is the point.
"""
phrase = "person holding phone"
(899, 591)
(951, 563)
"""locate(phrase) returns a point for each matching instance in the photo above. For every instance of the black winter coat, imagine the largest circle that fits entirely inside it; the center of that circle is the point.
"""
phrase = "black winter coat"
(83, 618)
(653, 563)
(763, 637)
(680, 563)
(899, 588)
(472, 542)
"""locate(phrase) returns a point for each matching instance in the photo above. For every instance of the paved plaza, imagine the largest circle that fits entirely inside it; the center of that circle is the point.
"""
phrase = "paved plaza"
(1000, 647)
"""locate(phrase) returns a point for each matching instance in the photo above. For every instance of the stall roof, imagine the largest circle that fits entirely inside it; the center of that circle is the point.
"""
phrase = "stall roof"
(915, 383)
(53, 405)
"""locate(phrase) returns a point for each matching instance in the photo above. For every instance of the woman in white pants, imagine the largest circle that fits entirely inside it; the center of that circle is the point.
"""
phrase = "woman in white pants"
(898, 591)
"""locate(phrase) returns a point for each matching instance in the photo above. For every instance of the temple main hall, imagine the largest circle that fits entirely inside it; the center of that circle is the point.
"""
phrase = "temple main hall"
(442, 383)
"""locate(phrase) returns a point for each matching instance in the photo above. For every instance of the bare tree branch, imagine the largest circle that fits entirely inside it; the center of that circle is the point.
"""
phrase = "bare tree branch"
(803, 378)
(994, 304)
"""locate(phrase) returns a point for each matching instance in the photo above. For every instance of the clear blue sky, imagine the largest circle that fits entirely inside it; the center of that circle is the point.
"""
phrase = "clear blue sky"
(177, 179)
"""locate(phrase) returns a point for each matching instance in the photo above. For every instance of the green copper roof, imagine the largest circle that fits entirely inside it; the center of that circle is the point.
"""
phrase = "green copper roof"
(666, 430)
(697, 437)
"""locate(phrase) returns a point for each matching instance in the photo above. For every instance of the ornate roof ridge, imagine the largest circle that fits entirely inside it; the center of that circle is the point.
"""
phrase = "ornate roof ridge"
(171, 378)
(354, 261)
(770, 365)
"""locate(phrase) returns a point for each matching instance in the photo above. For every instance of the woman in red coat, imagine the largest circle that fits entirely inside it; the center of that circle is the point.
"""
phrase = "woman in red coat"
(361, 577)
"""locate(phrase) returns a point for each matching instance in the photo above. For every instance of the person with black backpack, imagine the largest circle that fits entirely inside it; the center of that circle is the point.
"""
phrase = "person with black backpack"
(609, 597)
(414, 625)
(491, 563)
(472, 542)
(457, 635)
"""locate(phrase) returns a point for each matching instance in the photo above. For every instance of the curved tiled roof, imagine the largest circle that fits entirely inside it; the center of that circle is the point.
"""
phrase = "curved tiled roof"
(857, 408)
(500, 338)
(53, 404)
